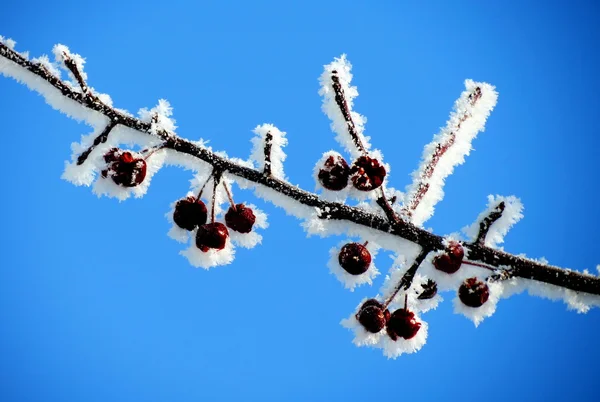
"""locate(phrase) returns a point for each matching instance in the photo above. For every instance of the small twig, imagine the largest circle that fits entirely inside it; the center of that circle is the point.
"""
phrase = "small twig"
(340, 99)
(97, 141)
(440, 150)
(268, 146)
(72, 66)
(383, 202)
(488, 221)
(408, 276)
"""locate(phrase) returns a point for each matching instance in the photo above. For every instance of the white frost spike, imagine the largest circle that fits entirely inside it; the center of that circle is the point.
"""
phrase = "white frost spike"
(159, 117)
(48, 65)
(10, 43)
(512, 214)
(278, 141)
(250, 240)
(348, 280)
(391, 349)
(477, 314)
(61, 53)
(211, 258)
(338, 123)
(463, 130)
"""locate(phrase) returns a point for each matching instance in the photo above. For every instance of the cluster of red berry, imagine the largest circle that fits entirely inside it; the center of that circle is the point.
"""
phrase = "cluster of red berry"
(374, 316)
(366, 173)
(191, 213)
(125, 168)
(472, 292)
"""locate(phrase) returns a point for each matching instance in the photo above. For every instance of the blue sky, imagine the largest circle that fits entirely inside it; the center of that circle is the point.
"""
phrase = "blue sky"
(96, 303)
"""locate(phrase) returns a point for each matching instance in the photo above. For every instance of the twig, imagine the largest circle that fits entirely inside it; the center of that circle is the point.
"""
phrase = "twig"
(440, 150)
(268, 146)
(97, 141)
(340, 99)
(488, 221)
(408, 277)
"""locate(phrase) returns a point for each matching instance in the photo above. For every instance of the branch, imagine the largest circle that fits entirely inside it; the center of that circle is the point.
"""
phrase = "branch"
(520, 267)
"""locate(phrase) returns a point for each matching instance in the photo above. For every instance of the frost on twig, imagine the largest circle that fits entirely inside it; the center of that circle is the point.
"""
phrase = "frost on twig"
(122, 153)
(448, 149)
(267, 150)
(494, 223)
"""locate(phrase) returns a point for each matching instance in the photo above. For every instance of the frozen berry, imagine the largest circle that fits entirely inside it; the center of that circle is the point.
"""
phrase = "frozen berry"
(212, 236)
(241, 218)
(429, 290)
(372, 316)
(124, 169)
(451, 260)
(354, 258)
(190, 213)
(473, 292)
(402, 324)
(367, 173)
(335, 173)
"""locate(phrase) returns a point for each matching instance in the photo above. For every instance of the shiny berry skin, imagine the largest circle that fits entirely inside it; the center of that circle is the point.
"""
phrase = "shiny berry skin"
(429, 290)
(124, 169)
(372, 316)
(190, 213)
(451, 261)
(473, 292)
(354, 258)
(367, 173)
(335, 173)
(402, 324)
(212, 236)
(241, 218)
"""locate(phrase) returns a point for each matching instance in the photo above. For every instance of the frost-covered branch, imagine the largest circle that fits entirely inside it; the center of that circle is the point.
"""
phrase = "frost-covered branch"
(475, 267)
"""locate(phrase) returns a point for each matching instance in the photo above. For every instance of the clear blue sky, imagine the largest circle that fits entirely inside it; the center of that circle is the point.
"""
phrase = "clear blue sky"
(97, 305)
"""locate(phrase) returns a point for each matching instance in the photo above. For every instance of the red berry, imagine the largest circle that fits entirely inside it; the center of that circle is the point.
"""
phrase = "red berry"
(451, 261)
(372, 316)
(403, 324)
(241, 218)
(212, 236)
(429, 290)
(190, 213)
(473, 292)
(367, 173)
(456, 251)
(354, 258)
(124, 169)
(334, 174)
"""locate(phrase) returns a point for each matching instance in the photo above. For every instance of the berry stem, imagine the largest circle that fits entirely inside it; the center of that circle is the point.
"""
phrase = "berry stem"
(408, 276)
(476, 264)
(204, 185)
(229, 196)
(152, 150)
(365, 243)
(216, 179)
